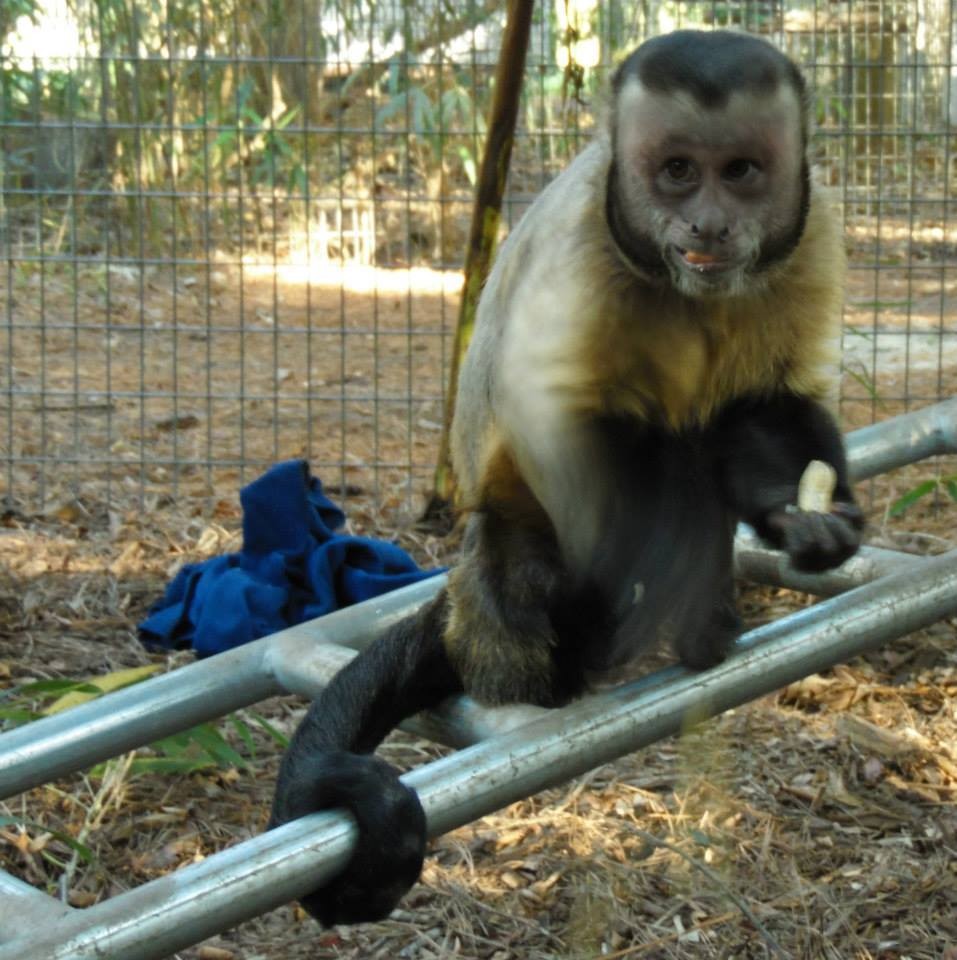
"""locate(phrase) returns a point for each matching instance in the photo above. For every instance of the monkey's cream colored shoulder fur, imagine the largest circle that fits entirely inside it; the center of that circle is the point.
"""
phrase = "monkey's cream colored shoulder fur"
(526, 318)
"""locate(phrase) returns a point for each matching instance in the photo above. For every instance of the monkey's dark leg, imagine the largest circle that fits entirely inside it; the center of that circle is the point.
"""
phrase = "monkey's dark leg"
(709, 646)
(328, 764)
(763, 448)
(664, 562)
(509, 636)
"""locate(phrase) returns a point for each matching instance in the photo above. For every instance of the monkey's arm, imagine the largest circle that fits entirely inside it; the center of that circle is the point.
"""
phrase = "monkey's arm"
(765, 445)
(328, 764)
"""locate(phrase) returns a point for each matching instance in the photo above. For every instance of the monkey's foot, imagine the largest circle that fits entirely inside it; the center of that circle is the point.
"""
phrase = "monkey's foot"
(714, 643)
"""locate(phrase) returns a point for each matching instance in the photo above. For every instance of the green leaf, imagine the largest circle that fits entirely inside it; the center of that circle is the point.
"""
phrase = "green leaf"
(297, 180)
(43, 687)
(882, 304)
(244, 733)
(423, 113)
(83, 852)
(243, 93)
(96, 686)
(173, 745)
(211, 740)
(387, 111)
(287, 118)
(911, 497)
(455, 103)
(170, 765)
(17, 715)
(864, 380)
(468, 164)
(273, 732)
(394, 76)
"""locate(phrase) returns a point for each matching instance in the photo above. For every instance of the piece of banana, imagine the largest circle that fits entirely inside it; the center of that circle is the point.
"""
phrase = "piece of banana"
(816, 487)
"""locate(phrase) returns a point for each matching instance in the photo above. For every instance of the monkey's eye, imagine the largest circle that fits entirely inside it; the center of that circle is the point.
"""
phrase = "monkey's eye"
(679, 170)
(740, 169)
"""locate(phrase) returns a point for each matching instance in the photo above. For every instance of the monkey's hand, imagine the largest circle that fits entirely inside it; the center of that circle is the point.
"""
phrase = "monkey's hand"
(388, 855)
(814, 540)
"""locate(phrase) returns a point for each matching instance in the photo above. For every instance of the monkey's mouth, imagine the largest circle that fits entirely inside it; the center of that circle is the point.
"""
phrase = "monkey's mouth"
(703, 262)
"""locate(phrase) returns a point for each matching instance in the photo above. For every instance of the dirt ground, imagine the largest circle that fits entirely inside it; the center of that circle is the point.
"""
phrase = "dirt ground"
(818, 822)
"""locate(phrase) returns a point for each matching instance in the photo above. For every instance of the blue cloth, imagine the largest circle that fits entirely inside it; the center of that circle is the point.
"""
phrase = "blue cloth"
(293, 566)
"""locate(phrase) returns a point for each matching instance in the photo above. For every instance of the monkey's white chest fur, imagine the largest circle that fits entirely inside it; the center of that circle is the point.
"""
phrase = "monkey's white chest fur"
(581, 330)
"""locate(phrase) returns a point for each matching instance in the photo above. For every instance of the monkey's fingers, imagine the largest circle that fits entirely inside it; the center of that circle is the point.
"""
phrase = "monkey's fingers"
(819, 541)
(850, 512)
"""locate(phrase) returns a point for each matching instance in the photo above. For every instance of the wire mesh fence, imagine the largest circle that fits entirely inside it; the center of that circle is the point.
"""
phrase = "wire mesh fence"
(232, 233)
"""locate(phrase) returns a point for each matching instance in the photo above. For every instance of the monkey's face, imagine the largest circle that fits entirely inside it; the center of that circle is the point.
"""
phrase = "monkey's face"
(708, 196)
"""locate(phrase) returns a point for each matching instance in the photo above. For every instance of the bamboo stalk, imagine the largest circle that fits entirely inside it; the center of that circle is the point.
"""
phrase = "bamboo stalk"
(486, 216)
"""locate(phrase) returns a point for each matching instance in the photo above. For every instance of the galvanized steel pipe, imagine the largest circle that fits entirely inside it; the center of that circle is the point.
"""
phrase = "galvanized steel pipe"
(198, 901)
(129, 718)
(294, 661)
(302, 660)
(550, 746)
(927, 432)
(23, 907)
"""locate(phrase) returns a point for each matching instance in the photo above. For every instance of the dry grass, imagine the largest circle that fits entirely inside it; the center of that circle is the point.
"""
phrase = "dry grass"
(820, 820)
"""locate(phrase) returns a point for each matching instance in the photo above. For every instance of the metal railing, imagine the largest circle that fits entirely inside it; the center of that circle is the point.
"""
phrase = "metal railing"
(507, 753)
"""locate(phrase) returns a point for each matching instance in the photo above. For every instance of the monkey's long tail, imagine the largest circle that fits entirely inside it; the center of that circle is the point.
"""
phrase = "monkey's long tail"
(402, 672)
(328, 765)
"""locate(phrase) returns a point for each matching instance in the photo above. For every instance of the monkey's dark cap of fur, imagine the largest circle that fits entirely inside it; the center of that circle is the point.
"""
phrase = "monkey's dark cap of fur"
(711, 65)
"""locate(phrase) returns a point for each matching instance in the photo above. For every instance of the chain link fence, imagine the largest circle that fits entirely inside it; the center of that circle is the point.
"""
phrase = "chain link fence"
(232, 233)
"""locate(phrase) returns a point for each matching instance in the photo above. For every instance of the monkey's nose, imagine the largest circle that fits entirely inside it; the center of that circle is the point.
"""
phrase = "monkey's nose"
(707, 231)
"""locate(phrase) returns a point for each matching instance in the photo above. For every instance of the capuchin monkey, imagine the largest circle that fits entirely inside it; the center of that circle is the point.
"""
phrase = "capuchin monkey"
(652, 354)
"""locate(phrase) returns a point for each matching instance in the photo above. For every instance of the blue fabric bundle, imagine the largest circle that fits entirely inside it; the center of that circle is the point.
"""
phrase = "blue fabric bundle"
(293, 566)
